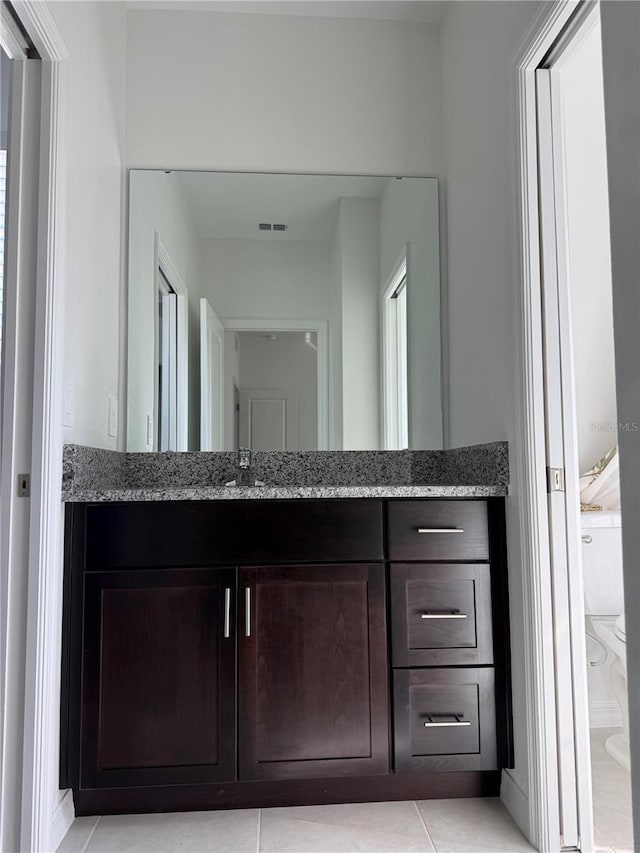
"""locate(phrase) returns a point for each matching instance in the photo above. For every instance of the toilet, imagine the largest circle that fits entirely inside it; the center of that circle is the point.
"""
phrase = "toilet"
(604, 611)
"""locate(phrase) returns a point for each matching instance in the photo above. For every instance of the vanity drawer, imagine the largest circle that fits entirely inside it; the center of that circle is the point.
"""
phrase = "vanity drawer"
(444, 719)
(441, 614)
(438, 530)
(232, 532)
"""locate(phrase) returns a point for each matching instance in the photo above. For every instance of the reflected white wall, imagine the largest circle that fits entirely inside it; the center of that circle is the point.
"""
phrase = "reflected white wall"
(158, 205)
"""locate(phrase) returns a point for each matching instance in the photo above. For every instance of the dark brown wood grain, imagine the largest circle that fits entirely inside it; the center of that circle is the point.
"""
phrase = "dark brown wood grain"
(426, 695)
(405, 517)
(209, 533)
(437, 589)
(313, 687)
(292, 792)
(158, 688)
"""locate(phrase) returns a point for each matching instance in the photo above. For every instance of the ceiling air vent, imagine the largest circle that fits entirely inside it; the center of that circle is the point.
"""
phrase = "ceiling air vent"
(272, 226)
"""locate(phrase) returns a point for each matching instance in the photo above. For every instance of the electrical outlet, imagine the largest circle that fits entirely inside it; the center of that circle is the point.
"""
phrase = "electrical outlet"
(112, 428)
(69, 404)
(150, 431)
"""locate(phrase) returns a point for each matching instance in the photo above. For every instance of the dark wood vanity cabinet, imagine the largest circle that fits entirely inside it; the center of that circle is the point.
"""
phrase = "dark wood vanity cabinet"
(348, 657)
(312, 672)
(158, 688)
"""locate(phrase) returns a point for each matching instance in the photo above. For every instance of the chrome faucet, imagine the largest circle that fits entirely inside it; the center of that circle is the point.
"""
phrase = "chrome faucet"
(244, 457)
(244, 471)
(243, 463)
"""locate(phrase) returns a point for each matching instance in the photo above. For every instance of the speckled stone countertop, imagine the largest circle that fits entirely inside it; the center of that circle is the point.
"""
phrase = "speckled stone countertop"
(92, 475)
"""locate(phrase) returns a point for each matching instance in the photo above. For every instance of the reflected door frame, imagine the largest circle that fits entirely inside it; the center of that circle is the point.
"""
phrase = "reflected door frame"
(164, 266)
(395, 389)
(320, 327)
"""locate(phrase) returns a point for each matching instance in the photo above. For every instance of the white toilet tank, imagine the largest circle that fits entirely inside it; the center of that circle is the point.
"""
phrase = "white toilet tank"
(602, 563)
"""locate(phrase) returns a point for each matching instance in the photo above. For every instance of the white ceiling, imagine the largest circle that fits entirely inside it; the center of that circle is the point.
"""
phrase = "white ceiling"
(229, 206)
(412, 11)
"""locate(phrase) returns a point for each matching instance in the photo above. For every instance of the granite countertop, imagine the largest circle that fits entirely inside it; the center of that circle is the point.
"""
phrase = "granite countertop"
(93, 475)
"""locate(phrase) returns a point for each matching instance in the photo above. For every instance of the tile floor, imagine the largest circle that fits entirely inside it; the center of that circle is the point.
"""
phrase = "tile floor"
(446, 826)
(611, 785)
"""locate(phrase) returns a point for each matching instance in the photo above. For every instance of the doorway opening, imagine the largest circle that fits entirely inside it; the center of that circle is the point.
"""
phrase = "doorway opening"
(582, 438)
(569, 428)
(280, 370)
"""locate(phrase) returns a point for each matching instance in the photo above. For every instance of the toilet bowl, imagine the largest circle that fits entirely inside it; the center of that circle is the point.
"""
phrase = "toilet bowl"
(604, 606)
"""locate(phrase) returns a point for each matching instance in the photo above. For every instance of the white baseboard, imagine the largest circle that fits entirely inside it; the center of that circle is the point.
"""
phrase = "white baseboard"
(604, 714)
(516, 801)
(63, 816)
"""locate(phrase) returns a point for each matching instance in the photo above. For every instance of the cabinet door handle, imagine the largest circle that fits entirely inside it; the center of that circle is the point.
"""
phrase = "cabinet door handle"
(227, 612)
(433, 722)
(440, 529)
(247, 611)
(453, 615)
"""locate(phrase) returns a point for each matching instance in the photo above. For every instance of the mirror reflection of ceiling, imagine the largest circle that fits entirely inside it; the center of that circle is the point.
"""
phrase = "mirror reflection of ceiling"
(231, 206)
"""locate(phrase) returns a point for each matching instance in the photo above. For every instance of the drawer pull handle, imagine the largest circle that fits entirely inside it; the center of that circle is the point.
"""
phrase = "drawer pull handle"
(440, 530)
(453, 615)
(227, 612)
(247, 606)
(433, 722)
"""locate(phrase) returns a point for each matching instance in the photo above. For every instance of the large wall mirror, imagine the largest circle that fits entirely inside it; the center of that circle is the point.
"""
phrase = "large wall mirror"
(283, 312)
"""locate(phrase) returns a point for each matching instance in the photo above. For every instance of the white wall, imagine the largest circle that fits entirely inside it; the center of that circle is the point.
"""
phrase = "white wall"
(357, 236)
(157, 205)
(287, 364)
(479, 40)
(409, 223)
(589, 251)
(278, 93)
(95, 36)
(263, 279)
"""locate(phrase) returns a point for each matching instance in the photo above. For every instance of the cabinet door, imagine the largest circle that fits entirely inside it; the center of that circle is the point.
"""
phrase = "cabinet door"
(313, 686)
(158, 704)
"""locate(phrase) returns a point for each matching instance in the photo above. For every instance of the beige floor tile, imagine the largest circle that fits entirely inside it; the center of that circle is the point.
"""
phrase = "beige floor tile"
(611, 785)
(187, 832)
(79, 833)
(366, 827)
(472, 826)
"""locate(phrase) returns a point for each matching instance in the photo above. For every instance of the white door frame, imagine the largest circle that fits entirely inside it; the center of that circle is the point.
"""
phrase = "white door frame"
(45, 818)
(212, 435)
(544, 752)
(162, 261)
(390, 390)
(320, 327)
(17, 415)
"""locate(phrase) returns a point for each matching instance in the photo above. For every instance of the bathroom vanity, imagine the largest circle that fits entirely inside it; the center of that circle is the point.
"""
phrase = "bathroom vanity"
(270, 651)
